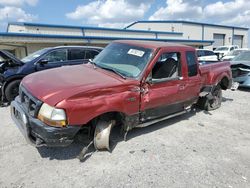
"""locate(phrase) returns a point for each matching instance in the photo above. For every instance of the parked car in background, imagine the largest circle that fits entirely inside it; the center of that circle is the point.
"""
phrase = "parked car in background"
(240, 66)
(206, 55)
(224, 50)
(233, 54)
(12, 70)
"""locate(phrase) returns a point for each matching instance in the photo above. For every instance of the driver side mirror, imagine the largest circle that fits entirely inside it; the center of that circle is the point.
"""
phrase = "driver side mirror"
(43, 62)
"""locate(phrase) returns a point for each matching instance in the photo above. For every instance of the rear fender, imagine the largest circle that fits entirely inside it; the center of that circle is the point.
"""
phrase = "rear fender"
(222, 79)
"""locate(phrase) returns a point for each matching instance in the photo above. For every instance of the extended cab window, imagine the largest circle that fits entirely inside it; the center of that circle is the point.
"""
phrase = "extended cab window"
(167, 66)
(90, 54)
(56, 56)
(75, 54)
(192, 64)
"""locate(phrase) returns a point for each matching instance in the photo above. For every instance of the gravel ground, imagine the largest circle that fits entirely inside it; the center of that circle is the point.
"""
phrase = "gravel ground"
(202, 149)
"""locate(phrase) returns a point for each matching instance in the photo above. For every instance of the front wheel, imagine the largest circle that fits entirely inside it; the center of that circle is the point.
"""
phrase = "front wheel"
(212, 101)
(12, 89)
(102, 134)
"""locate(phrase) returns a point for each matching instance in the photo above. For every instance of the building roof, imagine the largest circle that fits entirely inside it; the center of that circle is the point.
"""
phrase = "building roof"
(187, 22)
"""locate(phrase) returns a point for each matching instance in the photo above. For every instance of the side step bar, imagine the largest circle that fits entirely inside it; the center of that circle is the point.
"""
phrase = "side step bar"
(163, 118)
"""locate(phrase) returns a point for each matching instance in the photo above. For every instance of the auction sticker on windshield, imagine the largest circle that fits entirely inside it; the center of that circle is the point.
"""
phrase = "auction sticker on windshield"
(135, 52)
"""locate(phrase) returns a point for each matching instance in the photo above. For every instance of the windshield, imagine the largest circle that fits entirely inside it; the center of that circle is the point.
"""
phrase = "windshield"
(244, 56)
(33, 55)
(128, 60)
(221, 49)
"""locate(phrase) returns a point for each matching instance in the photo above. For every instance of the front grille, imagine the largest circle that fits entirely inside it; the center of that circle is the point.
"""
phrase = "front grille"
(29, 102)
(239, 73)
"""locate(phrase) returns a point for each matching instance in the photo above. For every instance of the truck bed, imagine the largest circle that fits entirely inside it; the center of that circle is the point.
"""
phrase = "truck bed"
(213, 71)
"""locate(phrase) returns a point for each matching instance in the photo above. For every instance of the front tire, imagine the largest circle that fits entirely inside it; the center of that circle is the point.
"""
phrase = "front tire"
(102, 134)
(12, 90)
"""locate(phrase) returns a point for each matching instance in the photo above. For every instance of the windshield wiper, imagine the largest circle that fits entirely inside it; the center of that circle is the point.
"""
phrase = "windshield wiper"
(93, 63)
(113, 70)
(106, 68)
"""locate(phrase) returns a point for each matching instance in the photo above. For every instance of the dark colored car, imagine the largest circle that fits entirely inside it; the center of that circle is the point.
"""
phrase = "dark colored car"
(12, 70)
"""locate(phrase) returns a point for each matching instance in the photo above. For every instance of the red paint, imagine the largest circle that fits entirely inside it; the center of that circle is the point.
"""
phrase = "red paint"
(85, 92)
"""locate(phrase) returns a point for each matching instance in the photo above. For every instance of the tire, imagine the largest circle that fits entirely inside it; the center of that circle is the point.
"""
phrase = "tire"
(212, 101)
(102, 134)
(11, 90)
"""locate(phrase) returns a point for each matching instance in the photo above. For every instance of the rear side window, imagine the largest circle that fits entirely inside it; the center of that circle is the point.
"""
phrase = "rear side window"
(192, 65)
(75, 54)
(200, 53)
(90, 54)
(209, 53)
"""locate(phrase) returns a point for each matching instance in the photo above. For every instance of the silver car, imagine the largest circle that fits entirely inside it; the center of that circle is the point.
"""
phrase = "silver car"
(240, 66)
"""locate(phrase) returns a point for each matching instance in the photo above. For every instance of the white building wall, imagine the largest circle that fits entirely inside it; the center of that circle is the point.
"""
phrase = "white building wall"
(16, 29)
(45, 30)
(54, 31)
(165, 27)
(210, 31)
(108, 33)
(244, 33)
(192, 31)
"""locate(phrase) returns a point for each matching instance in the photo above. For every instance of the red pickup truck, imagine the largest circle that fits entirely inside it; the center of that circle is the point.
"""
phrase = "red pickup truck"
(129, 84)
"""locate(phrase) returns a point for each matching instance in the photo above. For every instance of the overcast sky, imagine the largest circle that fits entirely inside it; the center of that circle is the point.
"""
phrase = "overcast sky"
(119, 13)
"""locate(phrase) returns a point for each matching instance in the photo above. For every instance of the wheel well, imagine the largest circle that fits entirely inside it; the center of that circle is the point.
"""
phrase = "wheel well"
(89, 128)
(224, 83)
(118, 116)
(11, 80)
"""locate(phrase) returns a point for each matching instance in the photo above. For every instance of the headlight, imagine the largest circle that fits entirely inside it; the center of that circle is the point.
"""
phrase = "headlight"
(52, 116)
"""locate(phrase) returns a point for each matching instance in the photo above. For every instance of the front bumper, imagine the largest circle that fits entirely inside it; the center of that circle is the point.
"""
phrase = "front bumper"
(39, 134)
(244, 81)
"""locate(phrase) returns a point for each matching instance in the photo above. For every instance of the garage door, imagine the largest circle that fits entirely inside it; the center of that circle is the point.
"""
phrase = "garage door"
(219, 40)
(238, 40)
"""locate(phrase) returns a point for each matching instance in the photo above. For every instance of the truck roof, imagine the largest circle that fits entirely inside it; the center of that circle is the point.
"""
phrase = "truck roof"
(154, 44)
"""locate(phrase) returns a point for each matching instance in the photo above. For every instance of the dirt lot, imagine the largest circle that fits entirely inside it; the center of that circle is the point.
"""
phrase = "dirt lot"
(193, 150)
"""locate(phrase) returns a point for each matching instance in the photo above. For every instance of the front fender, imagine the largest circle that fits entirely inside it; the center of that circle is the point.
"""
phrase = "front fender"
(84, 109)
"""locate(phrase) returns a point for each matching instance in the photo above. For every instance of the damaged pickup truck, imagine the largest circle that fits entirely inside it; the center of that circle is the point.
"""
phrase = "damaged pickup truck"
(240, 66)
(129, 84)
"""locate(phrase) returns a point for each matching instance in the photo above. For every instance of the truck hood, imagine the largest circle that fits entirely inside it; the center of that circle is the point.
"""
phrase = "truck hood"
(55, 85)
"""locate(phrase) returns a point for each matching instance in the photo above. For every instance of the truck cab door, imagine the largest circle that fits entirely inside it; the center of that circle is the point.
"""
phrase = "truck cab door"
(163, 89)
(53, 59)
